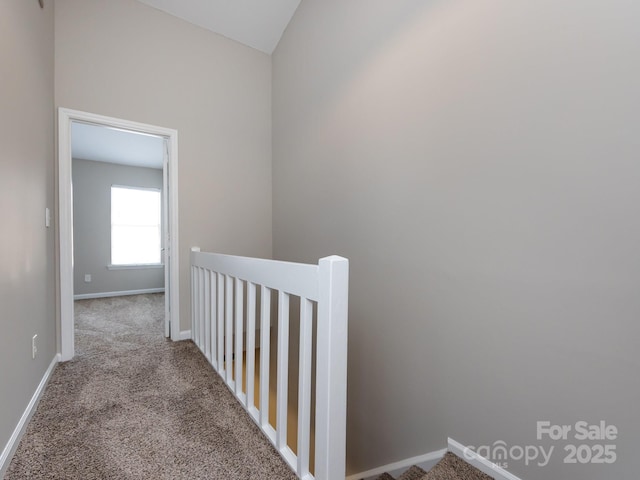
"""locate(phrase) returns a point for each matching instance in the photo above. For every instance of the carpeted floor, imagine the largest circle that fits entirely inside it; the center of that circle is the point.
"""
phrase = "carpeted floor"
(133, 405)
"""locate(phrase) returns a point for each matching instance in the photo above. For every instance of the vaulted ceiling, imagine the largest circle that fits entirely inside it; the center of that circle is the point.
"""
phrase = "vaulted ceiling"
(256, 23)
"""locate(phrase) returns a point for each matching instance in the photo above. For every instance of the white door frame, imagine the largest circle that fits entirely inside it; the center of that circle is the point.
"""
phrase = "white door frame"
(65, 215)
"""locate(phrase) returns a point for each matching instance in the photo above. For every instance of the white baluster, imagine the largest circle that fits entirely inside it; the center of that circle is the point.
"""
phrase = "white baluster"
(220, 318)
(251, 343)
(304, 385)
(206, 299)
(213, 308)
(238, 334)
(265, 343)
(228, 360)
(283, 368)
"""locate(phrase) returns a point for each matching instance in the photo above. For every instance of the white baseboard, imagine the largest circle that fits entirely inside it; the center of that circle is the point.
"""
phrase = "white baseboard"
(425, 461)
(14, 440)
(185, 335)
(481, 463)
(85, 296)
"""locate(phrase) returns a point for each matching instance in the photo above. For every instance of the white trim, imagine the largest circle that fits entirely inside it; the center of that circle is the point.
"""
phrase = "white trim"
(124, 293)
(135, 266)
(172, 247)
(132, 187)
(481, 463)
(65, 236)
(185, 335)
(65, 215)
(431, 457)
(14, 440)
(159, 224)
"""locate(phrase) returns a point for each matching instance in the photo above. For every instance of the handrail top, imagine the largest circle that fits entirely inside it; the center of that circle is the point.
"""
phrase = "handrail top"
(332, 258)
(294, 278)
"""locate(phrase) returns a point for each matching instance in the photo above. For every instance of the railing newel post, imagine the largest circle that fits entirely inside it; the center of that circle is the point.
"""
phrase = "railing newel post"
(331, 366)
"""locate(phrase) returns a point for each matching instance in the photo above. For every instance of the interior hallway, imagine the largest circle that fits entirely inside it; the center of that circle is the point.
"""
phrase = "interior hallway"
(135, 405)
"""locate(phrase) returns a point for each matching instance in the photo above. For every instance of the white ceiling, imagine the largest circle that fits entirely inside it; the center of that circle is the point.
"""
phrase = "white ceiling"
(256, 23)
(104, 144)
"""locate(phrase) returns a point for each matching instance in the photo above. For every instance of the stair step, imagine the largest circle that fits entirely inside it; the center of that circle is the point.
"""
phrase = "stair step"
(452, 467)
(414, 473)
(385, 476)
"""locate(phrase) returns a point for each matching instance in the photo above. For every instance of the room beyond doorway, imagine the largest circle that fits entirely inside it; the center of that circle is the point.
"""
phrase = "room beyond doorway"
(118, 226)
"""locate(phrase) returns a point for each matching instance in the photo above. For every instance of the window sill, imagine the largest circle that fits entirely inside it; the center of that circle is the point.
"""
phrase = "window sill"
(139, 266)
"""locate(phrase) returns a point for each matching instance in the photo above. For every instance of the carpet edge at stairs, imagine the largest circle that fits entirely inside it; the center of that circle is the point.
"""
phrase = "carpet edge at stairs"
(414, 473)
(450, 467)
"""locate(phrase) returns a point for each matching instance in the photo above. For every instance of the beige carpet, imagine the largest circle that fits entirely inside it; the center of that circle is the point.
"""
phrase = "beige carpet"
(133, 405)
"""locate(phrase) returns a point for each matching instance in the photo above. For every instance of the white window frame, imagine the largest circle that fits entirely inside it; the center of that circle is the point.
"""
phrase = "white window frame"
(132, 266)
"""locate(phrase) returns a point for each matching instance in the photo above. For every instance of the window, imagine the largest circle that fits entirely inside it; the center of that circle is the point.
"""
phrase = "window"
(136, 233)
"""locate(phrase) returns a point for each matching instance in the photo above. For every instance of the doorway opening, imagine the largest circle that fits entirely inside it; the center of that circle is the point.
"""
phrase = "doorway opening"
(70, 122)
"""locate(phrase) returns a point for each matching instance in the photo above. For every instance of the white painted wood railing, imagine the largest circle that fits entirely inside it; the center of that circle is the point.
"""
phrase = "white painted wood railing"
(224, 321)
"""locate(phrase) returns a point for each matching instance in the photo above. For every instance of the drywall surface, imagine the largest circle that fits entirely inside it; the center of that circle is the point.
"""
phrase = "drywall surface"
(27, 255)
(477, 162)
(124, 59)
(92, 183)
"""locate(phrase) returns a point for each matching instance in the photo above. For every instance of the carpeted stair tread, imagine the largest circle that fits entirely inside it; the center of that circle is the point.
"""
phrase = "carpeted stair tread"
(452, 467)
(414, 473)
(385, 476)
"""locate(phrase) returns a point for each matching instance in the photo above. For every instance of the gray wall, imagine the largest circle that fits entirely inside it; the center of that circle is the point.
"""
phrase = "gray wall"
(92, 183)
(27, 286)
(124, 59)
(477, 161)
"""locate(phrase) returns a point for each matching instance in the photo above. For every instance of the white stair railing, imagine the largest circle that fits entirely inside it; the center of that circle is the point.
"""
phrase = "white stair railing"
(224, 291)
